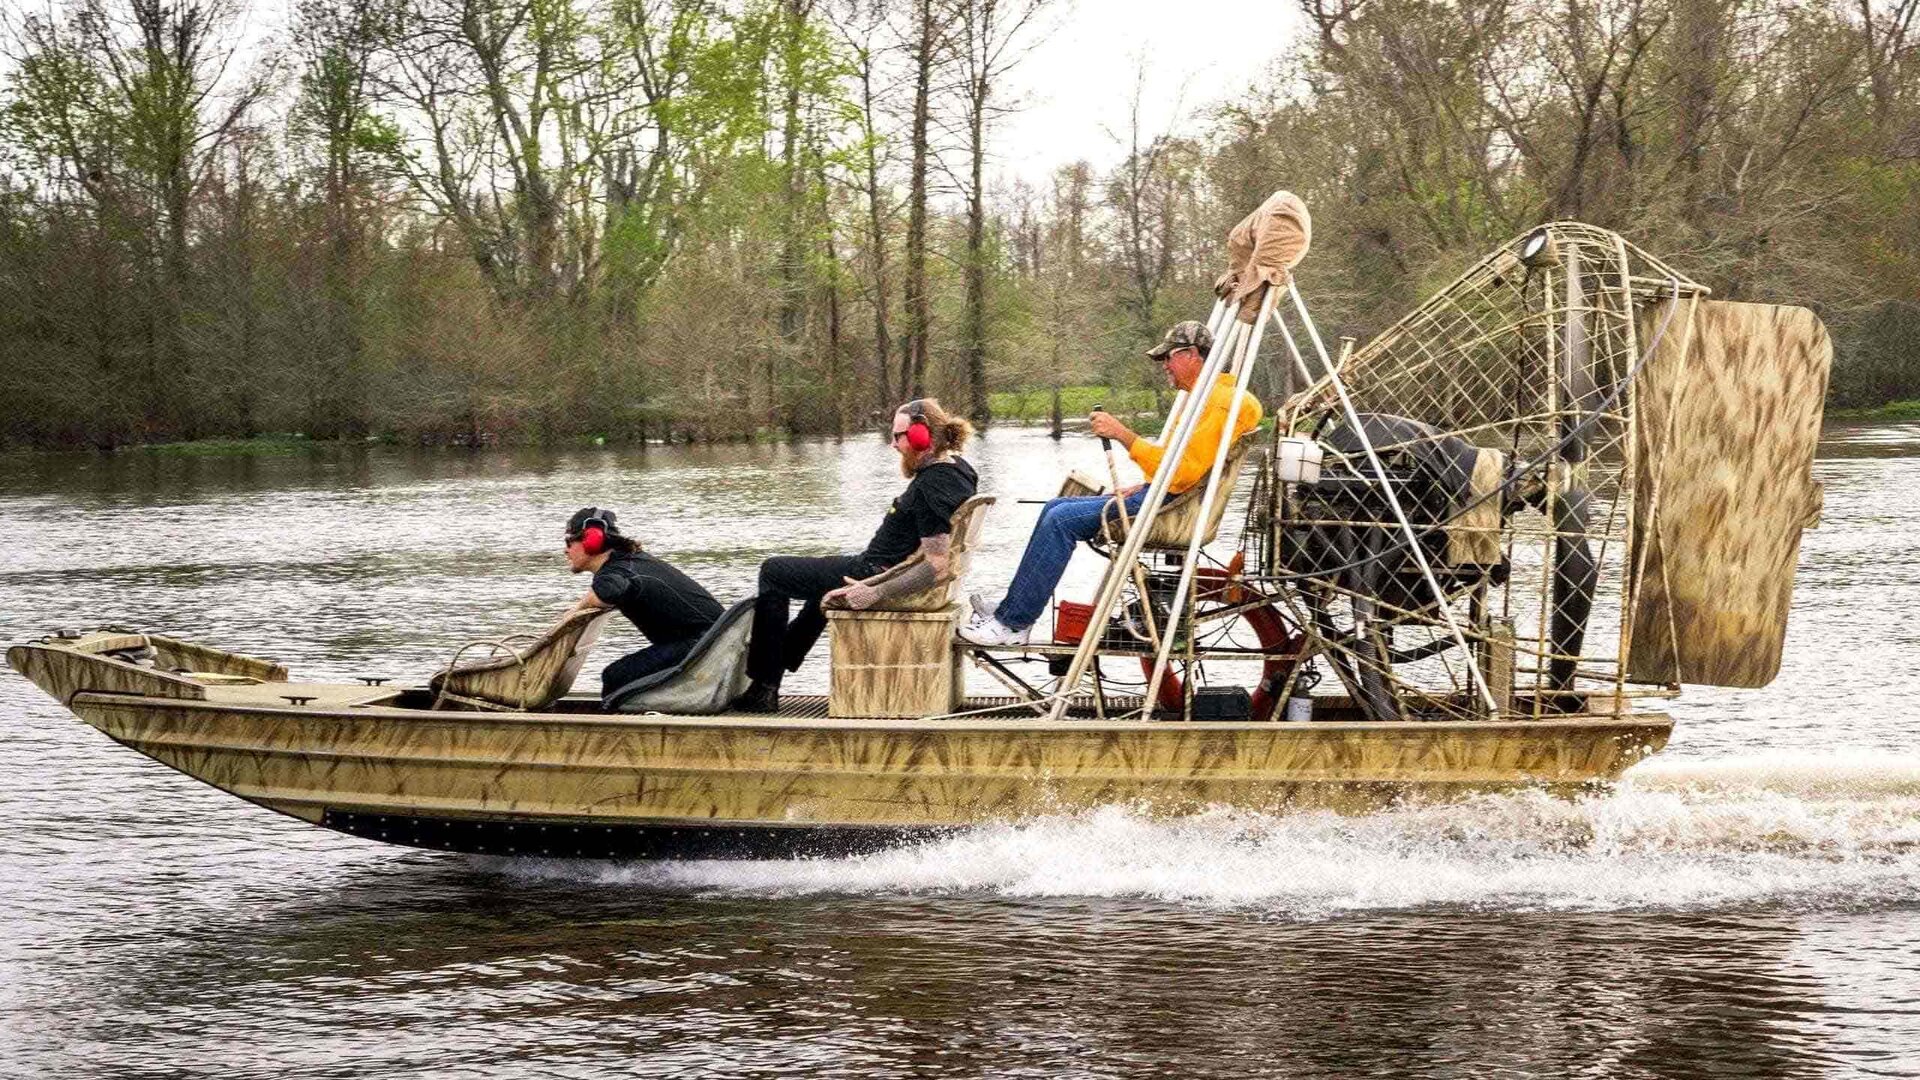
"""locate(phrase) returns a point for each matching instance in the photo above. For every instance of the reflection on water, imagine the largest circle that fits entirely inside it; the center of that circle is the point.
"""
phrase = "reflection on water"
(1746, 904)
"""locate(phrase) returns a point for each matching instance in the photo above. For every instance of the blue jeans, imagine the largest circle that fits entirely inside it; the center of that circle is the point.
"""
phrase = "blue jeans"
(637, 665)
(1063, 523)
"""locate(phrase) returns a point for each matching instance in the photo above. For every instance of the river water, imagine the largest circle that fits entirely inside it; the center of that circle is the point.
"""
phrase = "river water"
(1745, 904)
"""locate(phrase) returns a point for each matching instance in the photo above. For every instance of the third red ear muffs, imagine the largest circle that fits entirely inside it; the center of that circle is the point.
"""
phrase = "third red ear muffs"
(592, 527)
(919, 433)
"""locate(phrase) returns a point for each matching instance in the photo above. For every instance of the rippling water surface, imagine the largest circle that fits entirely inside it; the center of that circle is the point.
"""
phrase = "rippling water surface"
(1745, 904)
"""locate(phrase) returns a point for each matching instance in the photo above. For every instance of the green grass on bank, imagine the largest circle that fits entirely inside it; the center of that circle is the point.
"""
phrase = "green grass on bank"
(257, 446)
(1009, 407)
(1036, 406)
(1908, 410)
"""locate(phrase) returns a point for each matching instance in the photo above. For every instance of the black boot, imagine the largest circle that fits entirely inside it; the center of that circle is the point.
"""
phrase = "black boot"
(759, 698)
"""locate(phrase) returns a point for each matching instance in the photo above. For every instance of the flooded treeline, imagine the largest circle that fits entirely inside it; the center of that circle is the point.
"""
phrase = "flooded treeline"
(560, 219)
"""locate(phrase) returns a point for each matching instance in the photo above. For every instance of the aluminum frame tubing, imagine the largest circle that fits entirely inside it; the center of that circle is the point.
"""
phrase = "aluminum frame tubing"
(1243, 365)
(1116, 573)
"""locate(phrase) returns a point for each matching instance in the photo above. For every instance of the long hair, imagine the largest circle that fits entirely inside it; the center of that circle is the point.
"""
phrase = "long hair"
(950, 433)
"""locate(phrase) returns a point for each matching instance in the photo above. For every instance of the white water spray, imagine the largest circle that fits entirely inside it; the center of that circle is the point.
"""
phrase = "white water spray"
(1765, 830)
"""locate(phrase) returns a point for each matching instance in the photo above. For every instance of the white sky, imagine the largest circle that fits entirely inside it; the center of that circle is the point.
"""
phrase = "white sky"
(1077, 84)
(1073, 87)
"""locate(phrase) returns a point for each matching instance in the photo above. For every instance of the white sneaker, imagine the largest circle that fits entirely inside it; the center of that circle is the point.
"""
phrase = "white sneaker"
(983, 608)
(991, 631)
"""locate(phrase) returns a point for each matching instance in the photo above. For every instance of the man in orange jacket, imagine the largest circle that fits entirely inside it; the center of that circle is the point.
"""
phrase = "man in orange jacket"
(1070, 520)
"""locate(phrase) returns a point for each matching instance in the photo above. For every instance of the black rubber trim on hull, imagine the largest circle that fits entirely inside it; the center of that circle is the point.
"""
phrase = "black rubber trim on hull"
(588, 841)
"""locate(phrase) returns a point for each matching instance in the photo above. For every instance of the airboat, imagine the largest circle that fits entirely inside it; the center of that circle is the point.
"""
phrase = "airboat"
(1476, 554)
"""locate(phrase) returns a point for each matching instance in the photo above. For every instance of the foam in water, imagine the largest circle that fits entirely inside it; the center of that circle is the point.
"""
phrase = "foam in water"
(1794, 830)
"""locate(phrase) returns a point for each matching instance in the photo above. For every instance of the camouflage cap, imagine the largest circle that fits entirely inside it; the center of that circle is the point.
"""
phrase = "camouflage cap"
(1190, 334)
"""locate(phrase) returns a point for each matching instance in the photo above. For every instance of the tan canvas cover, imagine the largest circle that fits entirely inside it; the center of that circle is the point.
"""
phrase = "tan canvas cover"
(1473, 534)
(1728, 432)
(1264, 248)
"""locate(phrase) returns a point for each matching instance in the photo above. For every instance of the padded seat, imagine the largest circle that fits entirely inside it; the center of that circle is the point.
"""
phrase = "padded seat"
(703, 683)
(521, 677)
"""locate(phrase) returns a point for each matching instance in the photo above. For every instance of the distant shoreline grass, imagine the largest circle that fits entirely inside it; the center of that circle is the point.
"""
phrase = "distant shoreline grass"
(1036, 406)
(1892, 410)
(1010, 407)
(258, 445)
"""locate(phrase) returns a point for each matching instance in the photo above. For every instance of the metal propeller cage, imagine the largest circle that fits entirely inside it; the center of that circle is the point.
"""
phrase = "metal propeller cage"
(1467, 550)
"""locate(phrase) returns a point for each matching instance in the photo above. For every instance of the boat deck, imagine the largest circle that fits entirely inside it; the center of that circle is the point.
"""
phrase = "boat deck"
(814, 707)
(333, 695)
(319, 695)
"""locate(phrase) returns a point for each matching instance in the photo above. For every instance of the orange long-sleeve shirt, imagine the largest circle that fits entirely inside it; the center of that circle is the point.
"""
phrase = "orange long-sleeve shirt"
(1193, 465)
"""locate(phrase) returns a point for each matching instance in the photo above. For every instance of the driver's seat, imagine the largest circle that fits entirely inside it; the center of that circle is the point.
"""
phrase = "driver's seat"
(1179, 515)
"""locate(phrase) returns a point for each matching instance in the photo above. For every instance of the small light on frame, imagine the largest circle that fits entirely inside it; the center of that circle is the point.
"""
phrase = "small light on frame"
(1537, 249)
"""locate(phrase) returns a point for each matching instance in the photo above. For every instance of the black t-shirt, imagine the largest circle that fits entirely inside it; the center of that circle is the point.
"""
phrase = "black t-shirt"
(924, 509)
(664, 603)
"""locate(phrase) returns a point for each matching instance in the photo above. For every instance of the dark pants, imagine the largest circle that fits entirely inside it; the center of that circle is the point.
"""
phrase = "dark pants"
(636, 665)
(779, 646)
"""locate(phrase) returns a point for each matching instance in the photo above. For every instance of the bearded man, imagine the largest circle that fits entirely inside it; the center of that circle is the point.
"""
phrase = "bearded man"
(929, 441)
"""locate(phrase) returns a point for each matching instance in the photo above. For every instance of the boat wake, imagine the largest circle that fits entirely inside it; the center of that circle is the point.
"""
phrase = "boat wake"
(1788, 830)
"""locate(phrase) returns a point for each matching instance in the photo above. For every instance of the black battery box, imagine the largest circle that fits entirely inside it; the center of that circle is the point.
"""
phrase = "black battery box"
(1222, 703)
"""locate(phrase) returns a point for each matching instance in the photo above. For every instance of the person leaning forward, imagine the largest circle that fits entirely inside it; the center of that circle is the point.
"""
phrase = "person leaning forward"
(1069, 520)
(929, 442)
(669, 607)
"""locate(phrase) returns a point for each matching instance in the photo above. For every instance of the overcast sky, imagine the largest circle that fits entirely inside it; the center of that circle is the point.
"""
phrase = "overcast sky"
(1077, 84)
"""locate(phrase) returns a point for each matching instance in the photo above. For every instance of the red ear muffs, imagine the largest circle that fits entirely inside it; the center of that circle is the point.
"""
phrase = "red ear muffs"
(919, 435)
(593, 539)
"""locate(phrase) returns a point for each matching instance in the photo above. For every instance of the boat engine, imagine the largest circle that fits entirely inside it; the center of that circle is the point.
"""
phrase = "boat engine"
(1339, 532)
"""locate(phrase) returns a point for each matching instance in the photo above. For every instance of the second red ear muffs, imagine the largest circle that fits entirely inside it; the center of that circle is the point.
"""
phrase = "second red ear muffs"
(593, 533)
(919, 434)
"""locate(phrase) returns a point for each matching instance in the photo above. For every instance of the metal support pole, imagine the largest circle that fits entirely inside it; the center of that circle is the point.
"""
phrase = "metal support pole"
(1243, 364)
(1116, 574)
(1126, 526)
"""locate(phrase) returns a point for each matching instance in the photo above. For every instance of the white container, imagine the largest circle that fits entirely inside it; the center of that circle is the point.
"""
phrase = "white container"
(1299, 708)
(1298, 461)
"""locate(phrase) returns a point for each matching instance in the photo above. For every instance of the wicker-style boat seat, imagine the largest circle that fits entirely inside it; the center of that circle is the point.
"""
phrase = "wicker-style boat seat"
(524, 673)
(898, 658)
(1179, 514)
(967, 521)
